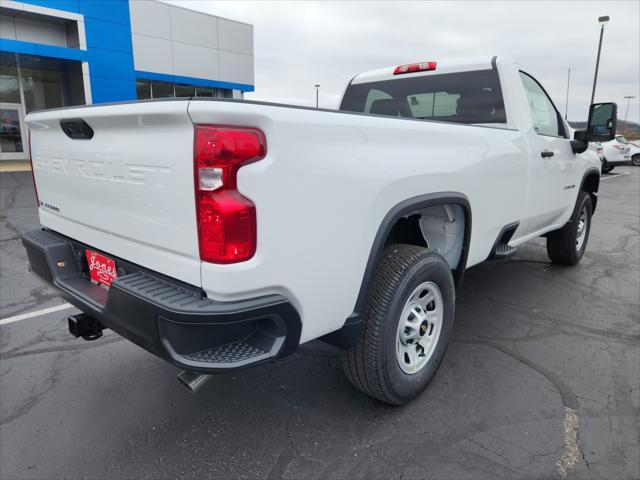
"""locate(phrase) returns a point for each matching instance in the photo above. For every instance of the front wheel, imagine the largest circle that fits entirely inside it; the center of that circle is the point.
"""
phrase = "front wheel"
(567, 245)
(606, 168)
(635, 160)
(407, 325)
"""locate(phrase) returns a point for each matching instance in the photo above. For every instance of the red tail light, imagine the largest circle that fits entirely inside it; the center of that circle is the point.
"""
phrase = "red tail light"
(415, 67)
(33, 175)
(226, 218)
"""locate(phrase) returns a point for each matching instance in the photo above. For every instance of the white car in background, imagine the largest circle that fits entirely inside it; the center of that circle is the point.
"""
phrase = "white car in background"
(635, 152)
(596, 147)
(616, 152)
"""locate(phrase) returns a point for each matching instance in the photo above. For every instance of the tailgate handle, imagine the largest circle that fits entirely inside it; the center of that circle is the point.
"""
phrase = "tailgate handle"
(76, 128)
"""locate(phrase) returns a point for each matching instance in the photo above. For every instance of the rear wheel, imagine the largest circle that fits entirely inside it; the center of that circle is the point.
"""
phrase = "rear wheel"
(407, 326)
(567, 245)
(635, 160)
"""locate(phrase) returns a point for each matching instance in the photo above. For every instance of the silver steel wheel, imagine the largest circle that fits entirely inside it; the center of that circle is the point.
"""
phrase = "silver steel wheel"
(583, 223)
(419, 327)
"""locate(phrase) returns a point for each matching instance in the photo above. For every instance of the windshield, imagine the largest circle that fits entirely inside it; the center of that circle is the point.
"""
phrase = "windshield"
(622, 140)
(465, 97)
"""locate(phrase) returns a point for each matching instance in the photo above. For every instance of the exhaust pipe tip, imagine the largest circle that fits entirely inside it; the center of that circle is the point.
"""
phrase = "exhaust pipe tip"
(192, 381)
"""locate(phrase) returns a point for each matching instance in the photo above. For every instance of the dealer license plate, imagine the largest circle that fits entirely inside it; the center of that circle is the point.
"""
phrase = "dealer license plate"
(101, 268)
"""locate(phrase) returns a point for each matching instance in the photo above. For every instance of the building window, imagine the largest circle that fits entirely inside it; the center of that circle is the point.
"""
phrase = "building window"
(154, 89)
(39, 83)
(143, 89)
(185, 90)
(205, 92)
(162, 90)
(28, 83)
(10, 131)
(42, 89)
(9, 84)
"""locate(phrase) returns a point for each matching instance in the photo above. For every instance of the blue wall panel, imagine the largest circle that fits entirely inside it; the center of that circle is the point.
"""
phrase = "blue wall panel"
(66, 5)
(107, 35)
(108, 30)
(106, 89)
(109, 50)
(29, 48)
(106, 10)
(112, 65)
(198, 82)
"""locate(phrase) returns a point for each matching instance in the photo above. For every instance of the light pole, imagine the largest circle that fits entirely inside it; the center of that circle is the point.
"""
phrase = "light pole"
(566, 107)
(626, 115)
(317, 90)
(603, 21)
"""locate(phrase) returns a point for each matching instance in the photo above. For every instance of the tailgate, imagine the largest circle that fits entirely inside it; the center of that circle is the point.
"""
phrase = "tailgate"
(128, 190)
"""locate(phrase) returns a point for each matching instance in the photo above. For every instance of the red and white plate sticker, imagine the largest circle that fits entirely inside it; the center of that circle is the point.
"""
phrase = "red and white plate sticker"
(101, 268)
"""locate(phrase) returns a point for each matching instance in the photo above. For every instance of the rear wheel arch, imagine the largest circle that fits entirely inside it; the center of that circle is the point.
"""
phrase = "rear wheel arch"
(438, 227)
(416, 209)
(401, 225)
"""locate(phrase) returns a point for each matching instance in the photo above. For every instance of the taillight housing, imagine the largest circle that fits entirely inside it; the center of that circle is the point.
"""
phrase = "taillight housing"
(415, 67)
(226, 219)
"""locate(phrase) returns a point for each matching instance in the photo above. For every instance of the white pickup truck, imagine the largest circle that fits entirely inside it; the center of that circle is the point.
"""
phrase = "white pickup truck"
(221, 234)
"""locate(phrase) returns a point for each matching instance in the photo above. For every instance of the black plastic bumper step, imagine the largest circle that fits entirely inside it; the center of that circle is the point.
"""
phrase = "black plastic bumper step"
(169, 318)
(229, 353)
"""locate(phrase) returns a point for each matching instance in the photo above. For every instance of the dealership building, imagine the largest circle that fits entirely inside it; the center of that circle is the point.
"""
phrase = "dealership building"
(57, 53)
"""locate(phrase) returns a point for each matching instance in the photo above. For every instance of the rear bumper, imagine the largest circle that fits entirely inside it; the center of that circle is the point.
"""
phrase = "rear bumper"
(619, 160)
(168, 318)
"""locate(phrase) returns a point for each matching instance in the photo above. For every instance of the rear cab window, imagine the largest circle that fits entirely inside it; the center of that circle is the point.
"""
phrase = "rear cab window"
(473, 97)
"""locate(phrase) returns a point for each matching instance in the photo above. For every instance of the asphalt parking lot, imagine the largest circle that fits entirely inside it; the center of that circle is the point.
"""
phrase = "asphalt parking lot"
(542, 380)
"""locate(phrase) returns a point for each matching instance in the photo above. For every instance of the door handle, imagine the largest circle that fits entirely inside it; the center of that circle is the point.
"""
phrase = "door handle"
(546, 154)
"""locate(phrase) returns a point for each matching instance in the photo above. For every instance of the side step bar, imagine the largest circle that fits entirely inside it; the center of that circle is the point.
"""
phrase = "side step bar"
(501, 248)
(503, 251)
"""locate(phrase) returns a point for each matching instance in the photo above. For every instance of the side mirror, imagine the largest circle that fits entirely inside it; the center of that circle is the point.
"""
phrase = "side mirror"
(601, 126)
(579, 144)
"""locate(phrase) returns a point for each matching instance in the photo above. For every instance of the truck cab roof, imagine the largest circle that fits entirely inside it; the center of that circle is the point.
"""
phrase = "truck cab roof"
(447, 65)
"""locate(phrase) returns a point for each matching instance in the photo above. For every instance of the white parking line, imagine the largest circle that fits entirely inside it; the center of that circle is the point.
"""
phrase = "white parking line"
(615, 175)
(37, 313)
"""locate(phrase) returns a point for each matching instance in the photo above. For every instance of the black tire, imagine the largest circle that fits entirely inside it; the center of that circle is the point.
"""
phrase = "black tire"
(635, 160)
(372, 365)
(562, 244)
(606, 168)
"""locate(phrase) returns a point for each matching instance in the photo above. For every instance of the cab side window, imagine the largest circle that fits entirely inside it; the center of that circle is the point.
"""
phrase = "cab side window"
(545, 117)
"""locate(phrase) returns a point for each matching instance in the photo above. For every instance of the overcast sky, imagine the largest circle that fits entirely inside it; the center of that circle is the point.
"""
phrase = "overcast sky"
(301, 43)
